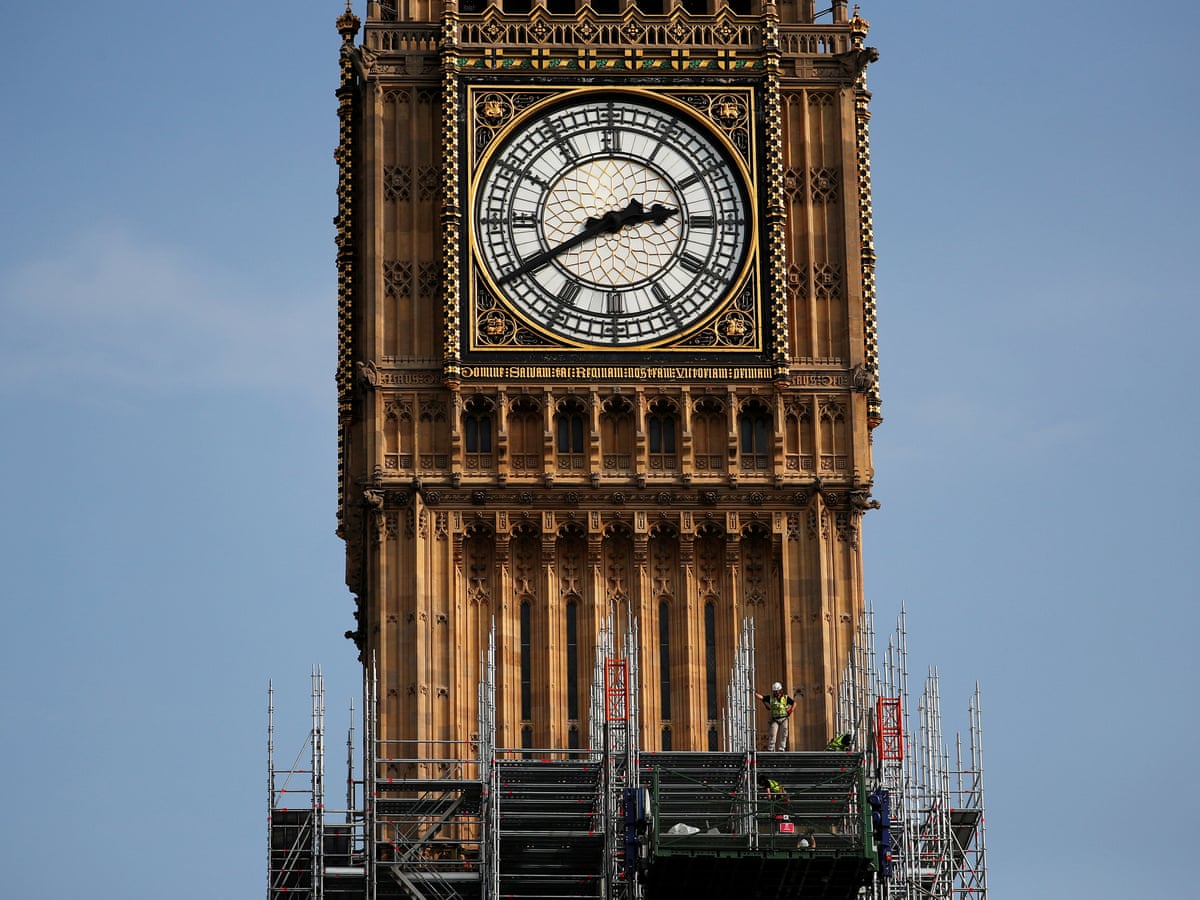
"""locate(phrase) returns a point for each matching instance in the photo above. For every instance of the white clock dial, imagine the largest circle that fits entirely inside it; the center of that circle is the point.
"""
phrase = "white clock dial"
(611, 221)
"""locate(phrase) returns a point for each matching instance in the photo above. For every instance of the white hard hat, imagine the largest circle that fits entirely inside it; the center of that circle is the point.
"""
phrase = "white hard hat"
(777, 686)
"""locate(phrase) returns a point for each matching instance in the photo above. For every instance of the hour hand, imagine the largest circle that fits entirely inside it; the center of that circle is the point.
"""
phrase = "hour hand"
(611, 222)
(634, 213)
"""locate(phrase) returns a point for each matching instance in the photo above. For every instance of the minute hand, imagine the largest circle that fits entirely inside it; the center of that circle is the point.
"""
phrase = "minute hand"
(611, 222)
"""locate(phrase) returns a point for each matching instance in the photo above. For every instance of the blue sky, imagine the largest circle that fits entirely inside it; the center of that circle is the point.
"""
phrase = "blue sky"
(167, 340)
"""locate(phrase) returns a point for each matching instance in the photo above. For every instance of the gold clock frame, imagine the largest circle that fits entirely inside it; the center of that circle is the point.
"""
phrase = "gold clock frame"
(736, 324)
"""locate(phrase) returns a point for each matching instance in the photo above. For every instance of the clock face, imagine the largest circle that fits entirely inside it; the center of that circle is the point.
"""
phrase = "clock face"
(611, 221)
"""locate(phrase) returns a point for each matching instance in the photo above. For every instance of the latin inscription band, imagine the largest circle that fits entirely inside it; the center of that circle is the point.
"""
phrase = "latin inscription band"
(604, 373)
(595, 373)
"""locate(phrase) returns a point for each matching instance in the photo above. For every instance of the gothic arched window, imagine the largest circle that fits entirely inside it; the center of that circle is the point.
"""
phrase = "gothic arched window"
(398, 437)
(526, 661)
(525, 436)
(797, 439)
(710, 436)
(661, 424)
(434, 437)
(616, 434)
(478, 422)
(570, 422)
(834, 456)
(754, 437)
(664, 659)
(570, 557)
(710, 661)
(573, 661)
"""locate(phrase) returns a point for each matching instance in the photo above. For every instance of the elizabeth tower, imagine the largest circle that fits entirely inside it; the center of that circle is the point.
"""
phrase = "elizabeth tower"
(606, 352)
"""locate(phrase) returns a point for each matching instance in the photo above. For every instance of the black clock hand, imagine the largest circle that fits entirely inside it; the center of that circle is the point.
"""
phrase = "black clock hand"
(633, 214)
(611, 222)
(591, 228)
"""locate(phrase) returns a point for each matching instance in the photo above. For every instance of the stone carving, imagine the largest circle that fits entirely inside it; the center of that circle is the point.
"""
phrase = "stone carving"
(863, 378)
(397, 183)
(397, 277)
(373, 501)
(368, 373)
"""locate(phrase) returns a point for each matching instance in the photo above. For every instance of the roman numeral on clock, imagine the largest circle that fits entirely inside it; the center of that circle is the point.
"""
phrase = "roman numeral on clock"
(692, 263)
(569, 293)
(664, 300)
(519, 173)
(668, 131)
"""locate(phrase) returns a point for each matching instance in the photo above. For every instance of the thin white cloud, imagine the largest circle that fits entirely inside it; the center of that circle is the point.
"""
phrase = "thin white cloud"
(109, 308)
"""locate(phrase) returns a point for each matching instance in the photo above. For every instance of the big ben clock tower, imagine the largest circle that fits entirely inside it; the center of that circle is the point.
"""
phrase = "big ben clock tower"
(606, 354)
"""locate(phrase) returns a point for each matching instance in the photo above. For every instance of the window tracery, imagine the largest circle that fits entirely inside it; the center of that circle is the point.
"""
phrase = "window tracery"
(710, 436)
(756, 561)
(570, 426)
(798, 453)
(397, 436)
(525, 436)
(661, 425)
(618, 564)
(834, 456)
(433, 437)
(710, 560)
(616, 434)
(754, 436)
(479, 554)
(478, 422)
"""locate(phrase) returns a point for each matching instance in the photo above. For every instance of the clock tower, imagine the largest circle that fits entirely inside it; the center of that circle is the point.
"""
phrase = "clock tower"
(606, 355)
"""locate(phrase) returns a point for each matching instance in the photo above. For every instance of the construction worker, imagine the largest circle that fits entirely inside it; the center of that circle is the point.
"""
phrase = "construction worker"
(773, 789)
(780, 707)
(840, 742)
(777, 805)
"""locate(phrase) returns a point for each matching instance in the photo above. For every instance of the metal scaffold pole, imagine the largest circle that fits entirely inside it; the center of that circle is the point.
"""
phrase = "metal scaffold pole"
(297, 850)
(934, 862)
(489, 871)
(597, 733)
(632, 642)
(318, 781)
(928, 818)
(270, 781)
(738, 716)
(370, 794)
(350, 799)
(969, 807)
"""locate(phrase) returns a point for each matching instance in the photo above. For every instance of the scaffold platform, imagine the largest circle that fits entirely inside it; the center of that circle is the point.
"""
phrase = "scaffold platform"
(767, 825)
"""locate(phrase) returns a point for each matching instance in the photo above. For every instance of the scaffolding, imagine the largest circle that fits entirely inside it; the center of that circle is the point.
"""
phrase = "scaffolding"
(613, 726)
(738, 717)
(928, 809)
(313, 852)
(883, 814)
